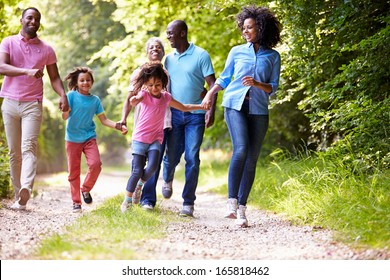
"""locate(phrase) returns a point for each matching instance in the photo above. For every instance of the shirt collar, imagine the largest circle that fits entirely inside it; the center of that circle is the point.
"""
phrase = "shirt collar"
(188, 51)
(34, 40)
(250, 45)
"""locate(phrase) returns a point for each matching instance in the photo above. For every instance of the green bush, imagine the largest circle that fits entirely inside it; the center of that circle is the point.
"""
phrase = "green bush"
(5, 188)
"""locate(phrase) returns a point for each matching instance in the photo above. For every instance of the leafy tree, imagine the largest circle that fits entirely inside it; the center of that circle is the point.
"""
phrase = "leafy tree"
(336, 61)
(8, 26)
(77, 31)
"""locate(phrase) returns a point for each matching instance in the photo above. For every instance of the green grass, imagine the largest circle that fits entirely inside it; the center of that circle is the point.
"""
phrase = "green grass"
(326, 194)
(106, 233)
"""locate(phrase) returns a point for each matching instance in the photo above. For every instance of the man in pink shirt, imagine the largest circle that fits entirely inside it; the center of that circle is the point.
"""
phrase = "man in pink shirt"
(23, 58)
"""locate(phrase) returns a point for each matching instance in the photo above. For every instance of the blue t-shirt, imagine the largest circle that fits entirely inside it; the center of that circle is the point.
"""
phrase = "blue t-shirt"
(187, 72)
(263, 66)
(80, 126)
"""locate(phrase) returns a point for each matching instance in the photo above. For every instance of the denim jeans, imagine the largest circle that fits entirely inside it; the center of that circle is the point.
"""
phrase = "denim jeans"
(185, 137)
(149, 195)
(247, 133)
(143, 153)
(22, 123)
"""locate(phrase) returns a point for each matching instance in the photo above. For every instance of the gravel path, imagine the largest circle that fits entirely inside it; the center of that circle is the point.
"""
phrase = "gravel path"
(207, 236)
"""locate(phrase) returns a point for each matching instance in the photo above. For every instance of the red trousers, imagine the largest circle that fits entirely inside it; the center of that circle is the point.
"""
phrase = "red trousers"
(74, 152)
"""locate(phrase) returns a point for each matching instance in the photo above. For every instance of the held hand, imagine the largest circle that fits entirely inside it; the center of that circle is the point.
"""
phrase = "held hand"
(64, 106)
(206, 103)
(124, 130)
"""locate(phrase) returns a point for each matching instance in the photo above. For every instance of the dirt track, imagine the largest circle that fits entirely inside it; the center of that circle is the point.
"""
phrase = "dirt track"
(207, 236)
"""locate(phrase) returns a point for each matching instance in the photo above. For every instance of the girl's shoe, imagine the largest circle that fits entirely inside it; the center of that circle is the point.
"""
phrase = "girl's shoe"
(231, 211)
(17, 206)
(241, 217)
(137, 194)
(126, 205)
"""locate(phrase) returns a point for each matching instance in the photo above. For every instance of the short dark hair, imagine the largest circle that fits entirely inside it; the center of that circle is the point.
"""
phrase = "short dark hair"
(31, 8)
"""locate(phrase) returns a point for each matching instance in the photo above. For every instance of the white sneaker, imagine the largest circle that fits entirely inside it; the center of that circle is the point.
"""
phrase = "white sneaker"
(231, 209)
(125, 206)
(17, 206)
(148, 207)
(241, 217)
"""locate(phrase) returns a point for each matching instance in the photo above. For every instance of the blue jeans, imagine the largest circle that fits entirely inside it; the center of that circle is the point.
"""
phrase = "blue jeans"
(247, 133)
(141, 153)
(185, 137)
(149, 195)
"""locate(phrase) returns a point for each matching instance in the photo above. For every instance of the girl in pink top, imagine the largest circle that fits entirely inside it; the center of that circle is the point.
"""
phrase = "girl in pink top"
(148, 132)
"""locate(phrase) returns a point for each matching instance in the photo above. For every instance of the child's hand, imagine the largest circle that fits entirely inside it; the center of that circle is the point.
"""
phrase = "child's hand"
(124, 130)
(206, 103)
(134, 100)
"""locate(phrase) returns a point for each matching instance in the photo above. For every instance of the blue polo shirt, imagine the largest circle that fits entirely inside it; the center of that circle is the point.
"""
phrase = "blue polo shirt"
(80, 126)
(187, 72)
(242, 61)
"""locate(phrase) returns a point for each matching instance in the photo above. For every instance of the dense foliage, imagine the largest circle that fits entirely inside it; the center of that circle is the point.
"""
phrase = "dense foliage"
(6, 28)
(337, 62)
(334, 91)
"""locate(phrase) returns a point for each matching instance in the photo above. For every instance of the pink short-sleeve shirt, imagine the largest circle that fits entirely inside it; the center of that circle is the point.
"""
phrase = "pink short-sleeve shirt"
(31, 54)
(150, 124)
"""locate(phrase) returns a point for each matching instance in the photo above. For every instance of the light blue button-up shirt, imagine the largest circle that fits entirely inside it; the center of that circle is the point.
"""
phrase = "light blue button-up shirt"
(242, 61)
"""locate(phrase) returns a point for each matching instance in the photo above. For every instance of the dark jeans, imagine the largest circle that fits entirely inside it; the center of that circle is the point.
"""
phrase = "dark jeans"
(138, 168)
(186, 137)
(247, 133)
(149, 195)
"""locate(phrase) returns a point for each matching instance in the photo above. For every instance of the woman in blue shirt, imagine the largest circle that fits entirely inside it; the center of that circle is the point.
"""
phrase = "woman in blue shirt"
(255, 67)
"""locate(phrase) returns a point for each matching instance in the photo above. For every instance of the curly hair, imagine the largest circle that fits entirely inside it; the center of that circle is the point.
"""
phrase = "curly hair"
(150, 70)
(73, 76)
(268, 26)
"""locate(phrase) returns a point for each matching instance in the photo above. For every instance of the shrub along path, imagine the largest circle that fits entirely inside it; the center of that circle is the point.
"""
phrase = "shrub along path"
(207, 236)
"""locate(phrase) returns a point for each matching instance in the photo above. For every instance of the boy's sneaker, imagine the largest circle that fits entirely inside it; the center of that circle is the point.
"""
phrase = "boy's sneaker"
(17, 206)
(87, 197)
(76, 208)
(231, 211)
(167, 190)
(241, 217)
(187, 211)
(125, 206)
(148, 207)
(137, 194)
(24, 196)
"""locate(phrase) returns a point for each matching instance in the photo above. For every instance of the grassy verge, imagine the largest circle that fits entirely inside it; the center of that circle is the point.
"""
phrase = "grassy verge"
(106, 233)
(326, 194)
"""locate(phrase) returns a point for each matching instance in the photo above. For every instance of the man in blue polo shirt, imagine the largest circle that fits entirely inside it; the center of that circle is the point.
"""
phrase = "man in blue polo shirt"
(189, 66)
